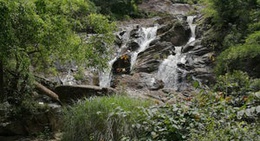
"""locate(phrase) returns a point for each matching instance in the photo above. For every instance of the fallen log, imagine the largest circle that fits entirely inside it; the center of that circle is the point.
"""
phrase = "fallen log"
(47, 92)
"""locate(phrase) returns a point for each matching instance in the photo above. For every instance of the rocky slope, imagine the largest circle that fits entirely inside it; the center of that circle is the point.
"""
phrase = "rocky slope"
(173, 61)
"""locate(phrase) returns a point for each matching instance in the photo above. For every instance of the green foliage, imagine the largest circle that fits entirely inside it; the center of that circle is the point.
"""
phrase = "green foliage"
(231, 21)
(235, 86)
(222, 121)
(255, 85)
(118, 8)
(74, 11)
(168, 122)
(36, 33)
(102, 118)
(243, 57)
(253, 38)
(229, 12)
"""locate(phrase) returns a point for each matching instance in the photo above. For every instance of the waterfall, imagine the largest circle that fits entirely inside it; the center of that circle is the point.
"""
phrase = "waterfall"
(149, 35)
(106, 76)
(169, 72)
(192, 28)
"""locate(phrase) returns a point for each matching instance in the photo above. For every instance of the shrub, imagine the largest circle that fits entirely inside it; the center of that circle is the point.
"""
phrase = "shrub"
(234, 85)
(102, 118)
(243, 57)
(168, 122)
(222, 121)
(255, 85)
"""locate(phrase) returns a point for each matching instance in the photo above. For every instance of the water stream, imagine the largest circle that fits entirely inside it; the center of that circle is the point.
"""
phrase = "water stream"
(149, 35)
(169, 72)
(106, 76)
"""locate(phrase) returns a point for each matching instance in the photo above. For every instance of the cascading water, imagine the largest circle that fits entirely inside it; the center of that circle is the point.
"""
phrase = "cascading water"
(192, 28)
(106, 76)
(168, 71)
(149, 35)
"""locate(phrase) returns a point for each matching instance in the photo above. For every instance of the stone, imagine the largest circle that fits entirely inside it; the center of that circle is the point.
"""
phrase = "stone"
(178, 35)
(133, 45)
(68, 93)
(150, 59)
(139, 81)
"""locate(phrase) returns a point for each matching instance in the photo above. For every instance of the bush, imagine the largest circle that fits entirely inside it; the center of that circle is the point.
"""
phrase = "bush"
(243, 57)
(222, 121)
(102, 118)
(255, 85)
(168, 122)
(118, 8)
(235, 86)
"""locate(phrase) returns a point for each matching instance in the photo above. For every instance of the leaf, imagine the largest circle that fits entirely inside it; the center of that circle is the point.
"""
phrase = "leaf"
(154, 135)
(257, 109)
(248, 112)
(252, 110)
(240, 114)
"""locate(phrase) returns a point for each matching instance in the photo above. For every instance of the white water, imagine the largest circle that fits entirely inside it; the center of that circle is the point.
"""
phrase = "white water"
(68, 79)
(106, 76)
(149, 36)
(192, 28)
(168, 71)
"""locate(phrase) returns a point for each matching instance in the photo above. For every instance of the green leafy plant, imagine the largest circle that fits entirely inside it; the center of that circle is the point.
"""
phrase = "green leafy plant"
(168, 122)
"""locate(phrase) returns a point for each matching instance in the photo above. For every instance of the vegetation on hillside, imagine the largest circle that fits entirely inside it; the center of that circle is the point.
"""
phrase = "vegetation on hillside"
(235, 32)
(36, 33)
(230, 112)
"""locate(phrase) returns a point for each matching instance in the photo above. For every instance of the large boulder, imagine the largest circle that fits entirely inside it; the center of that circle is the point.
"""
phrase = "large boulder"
(70, 93)
(178, 35)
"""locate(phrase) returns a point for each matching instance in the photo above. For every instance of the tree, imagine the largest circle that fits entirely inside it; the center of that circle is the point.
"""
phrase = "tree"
(35, 33)
(117, 8)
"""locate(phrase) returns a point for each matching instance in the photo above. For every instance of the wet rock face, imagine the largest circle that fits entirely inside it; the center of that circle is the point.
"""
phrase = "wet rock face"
(171, 32)
(138, 81)
(178, 35)
(149, 60)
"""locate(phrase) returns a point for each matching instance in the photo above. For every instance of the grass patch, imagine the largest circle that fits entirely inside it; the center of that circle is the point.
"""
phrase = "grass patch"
(102, 118)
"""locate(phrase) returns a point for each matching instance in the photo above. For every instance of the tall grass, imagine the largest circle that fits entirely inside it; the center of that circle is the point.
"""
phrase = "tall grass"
(102, 119)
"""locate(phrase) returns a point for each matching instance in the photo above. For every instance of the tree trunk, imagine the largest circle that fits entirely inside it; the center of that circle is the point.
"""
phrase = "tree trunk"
(2, 96)
(47, 92)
